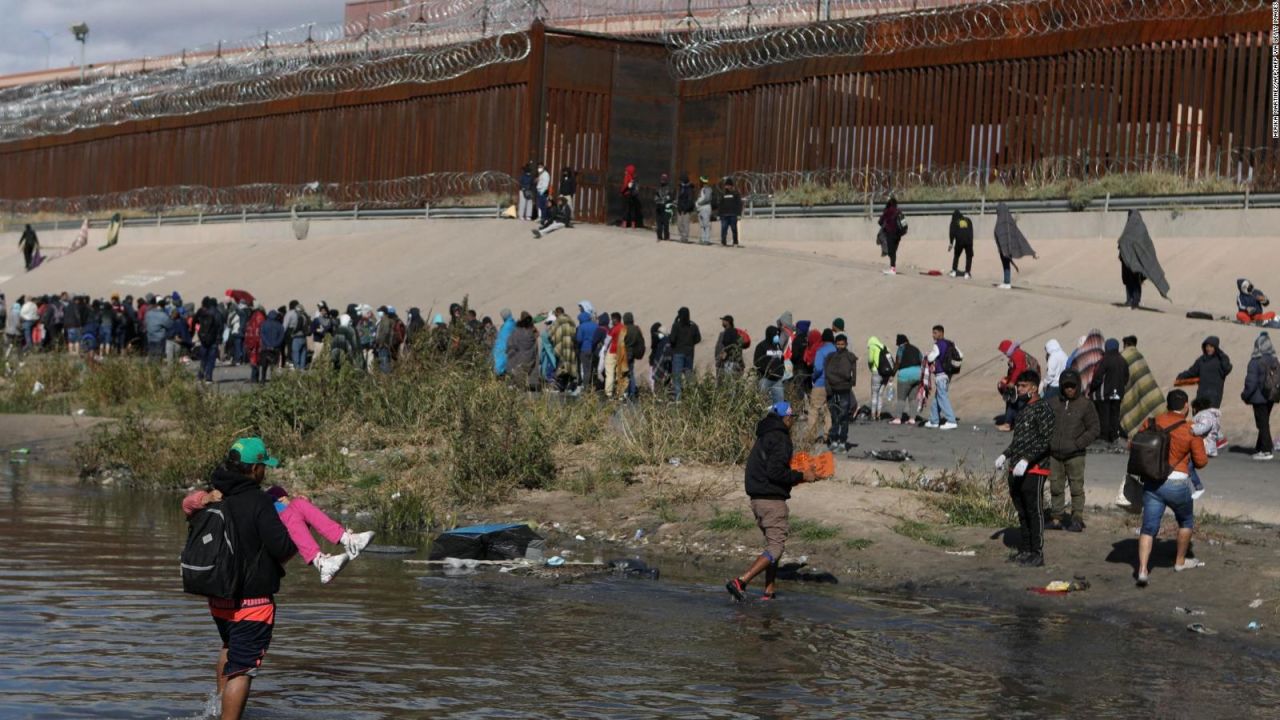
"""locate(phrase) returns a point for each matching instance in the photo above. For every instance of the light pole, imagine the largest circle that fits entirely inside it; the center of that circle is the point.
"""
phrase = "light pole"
(81, 32)
(48, 45)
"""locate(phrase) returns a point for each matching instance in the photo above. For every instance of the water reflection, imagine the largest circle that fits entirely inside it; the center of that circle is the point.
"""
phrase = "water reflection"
(94, 624)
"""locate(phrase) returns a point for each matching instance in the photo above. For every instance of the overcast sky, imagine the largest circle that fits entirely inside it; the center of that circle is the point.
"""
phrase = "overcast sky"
(123, 29)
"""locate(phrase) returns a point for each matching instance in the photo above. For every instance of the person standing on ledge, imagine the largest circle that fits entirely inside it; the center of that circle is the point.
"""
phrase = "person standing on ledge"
(769, 480)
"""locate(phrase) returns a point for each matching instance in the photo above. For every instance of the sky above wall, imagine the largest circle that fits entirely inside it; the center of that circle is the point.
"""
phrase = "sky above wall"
(126, 29)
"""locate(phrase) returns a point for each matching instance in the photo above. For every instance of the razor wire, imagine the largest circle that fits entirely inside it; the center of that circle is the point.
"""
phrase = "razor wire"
(762, 34)
(413, 191)
(421, 43)
(1238, 168)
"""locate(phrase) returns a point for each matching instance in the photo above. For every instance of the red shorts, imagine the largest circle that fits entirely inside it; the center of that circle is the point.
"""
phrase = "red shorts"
(245, 627)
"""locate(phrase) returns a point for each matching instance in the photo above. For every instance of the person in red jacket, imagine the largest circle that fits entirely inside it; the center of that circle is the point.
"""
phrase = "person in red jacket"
(1017, 360)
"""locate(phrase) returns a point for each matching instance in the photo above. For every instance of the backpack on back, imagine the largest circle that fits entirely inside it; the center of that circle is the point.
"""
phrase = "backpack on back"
(1032, 363)
(952, 360)
(885, 365)
(209, 562)
(1271, 381)
(1149, 452)
(746, 339)
(840, 371)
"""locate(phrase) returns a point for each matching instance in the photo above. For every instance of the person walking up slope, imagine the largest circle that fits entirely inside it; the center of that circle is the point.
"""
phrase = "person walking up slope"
(1024, 459)
(1011, 243)
(893, 226)
(768, 482)
(1261, 391)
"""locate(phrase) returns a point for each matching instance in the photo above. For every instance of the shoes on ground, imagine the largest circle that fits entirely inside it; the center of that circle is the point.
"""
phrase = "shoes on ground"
(1005, 286)
(932, 425)
(1034, 559)
(1188, 564)
(953, 273)
(1262, 456)
(891, 271)
(1076, 525)
(1142, 579)
(948, 426)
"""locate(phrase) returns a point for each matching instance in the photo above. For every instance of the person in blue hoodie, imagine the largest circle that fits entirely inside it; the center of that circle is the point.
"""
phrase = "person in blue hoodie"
(178, 338)
(586, 339)
(500, 345)
(272, 334)
(818, 397)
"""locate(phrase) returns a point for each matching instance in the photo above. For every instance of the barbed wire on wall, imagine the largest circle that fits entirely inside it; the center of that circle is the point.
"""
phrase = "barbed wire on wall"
(759, 35)
(419, 43)
(414, 191)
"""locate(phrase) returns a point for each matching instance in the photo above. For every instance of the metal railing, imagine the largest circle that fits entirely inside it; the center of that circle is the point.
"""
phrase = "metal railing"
(761, 207)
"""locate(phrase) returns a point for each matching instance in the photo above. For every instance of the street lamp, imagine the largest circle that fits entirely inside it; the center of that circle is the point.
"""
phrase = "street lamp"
(81, 32)
(48, 45)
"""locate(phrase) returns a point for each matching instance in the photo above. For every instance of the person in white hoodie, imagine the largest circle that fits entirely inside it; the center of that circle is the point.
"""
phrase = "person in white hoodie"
(543, 180)
(1056, 362)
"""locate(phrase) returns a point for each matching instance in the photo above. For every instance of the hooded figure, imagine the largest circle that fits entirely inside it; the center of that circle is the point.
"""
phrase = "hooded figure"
(1210, 371)
(1010, 242)
(960, 243)
(631, 199)
(659, 355)
(1086, 357)
(1250, 302)
(1142, 396)
(1138, 260)
(30, 245)
(416, 324)
(1056, 362)
(1262, 365)
(500, 344)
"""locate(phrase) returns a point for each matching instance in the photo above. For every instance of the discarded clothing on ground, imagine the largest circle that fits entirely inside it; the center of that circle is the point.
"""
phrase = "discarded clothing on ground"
(634, 567)
(890, 455)
(512, 541)
(800, 571)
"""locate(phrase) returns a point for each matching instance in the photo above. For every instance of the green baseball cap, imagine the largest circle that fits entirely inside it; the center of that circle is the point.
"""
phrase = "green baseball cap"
(253, 451)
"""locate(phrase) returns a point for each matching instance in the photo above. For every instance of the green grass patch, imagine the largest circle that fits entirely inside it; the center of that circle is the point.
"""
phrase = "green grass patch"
(924, 533)
(813, 531)
(729, 521)
(858, 543)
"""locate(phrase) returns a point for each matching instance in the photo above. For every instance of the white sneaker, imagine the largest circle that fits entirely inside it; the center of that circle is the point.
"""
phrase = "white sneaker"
(931, 425)
(354, 543)
(1005, 286)
(891, 271)
(1262, 456)
(953, 273)
(329, 566)
(967, 276)
(1197, 494)
(948, 426)
(1188, 564)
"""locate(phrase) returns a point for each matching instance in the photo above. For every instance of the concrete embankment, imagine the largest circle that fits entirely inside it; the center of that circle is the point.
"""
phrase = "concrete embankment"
(819, 269)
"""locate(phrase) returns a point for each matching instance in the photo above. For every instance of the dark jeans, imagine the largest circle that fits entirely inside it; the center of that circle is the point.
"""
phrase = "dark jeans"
(891, 248)
(155, 350)
(237, 348)
(1262, 418)
(1108, 419)
(727, 222)
(543, 209)
(208, 359)
(839, 404)
(1006, 264)
(965, 249)
(1132, 286)
(662, 224)
(1027, 493)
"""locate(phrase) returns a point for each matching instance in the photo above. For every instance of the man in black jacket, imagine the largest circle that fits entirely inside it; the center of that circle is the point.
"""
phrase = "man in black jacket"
(771, 364)
(686, 206)
(769, 479)
(730, 209)
(245, 622)
(1210, 370)
(961, 243)
(684, 336)
(663, 205)
(1025, 456)
(1110, 379)
(1075, 427)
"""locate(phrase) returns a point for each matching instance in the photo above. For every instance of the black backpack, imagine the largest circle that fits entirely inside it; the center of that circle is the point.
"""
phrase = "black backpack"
(885, 364)
(685, 202)
(840, 371)
(952, 360)
(209, 562)
(1149, 452)
(1271, 380)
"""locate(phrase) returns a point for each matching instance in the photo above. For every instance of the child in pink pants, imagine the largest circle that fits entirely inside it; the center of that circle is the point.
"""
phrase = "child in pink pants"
(300, 517)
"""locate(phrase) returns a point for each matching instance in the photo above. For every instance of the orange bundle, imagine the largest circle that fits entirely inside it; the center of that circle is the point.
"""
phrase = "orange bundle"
(823, 465)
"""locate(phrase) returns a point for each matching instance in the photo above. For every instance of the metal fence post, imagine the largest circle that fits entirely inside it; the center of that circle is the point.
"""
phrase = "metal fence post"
(773, 208)
(355, 211)
(982, 205)
(426, 211)
(1106, 206)
(1246, 198)
(200, 216)
(244, 215)
(159, 218)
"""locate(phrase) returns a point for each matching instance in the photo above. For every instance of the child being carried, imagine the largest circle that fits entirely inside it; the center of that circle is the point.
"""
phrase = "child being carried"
(300, 517)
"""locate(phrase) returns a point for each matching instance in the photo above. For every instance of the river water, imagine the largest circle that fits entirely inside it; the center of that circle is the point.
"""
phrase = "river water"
(93, 624)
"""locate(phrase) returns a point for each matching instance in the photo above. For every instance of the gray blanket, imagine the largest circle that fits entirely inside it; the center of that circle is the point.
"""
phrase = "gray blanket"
(1138, 253)
(1009, 239)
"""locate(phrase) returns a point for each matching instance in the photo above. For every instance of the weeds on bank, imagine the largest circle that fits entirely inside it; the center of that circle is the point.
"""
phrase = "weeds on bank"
(813, 531)
(924, 532)
(858, 543)
(966, 499)
(440, 430)
(729, 521)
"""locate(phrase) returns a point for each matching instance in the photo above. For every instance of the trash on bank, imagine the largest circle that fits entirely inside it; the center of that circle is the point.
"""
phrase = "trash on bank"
(1201, 629)
(1257, 603)
(37, 388)
(508, 541)
(963, 553)
(1062, 587)
(555, 561)
(801, 572)
(20, 451)
(634, 567)
(1254, 625)
(1187, 611)
(889, 455)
